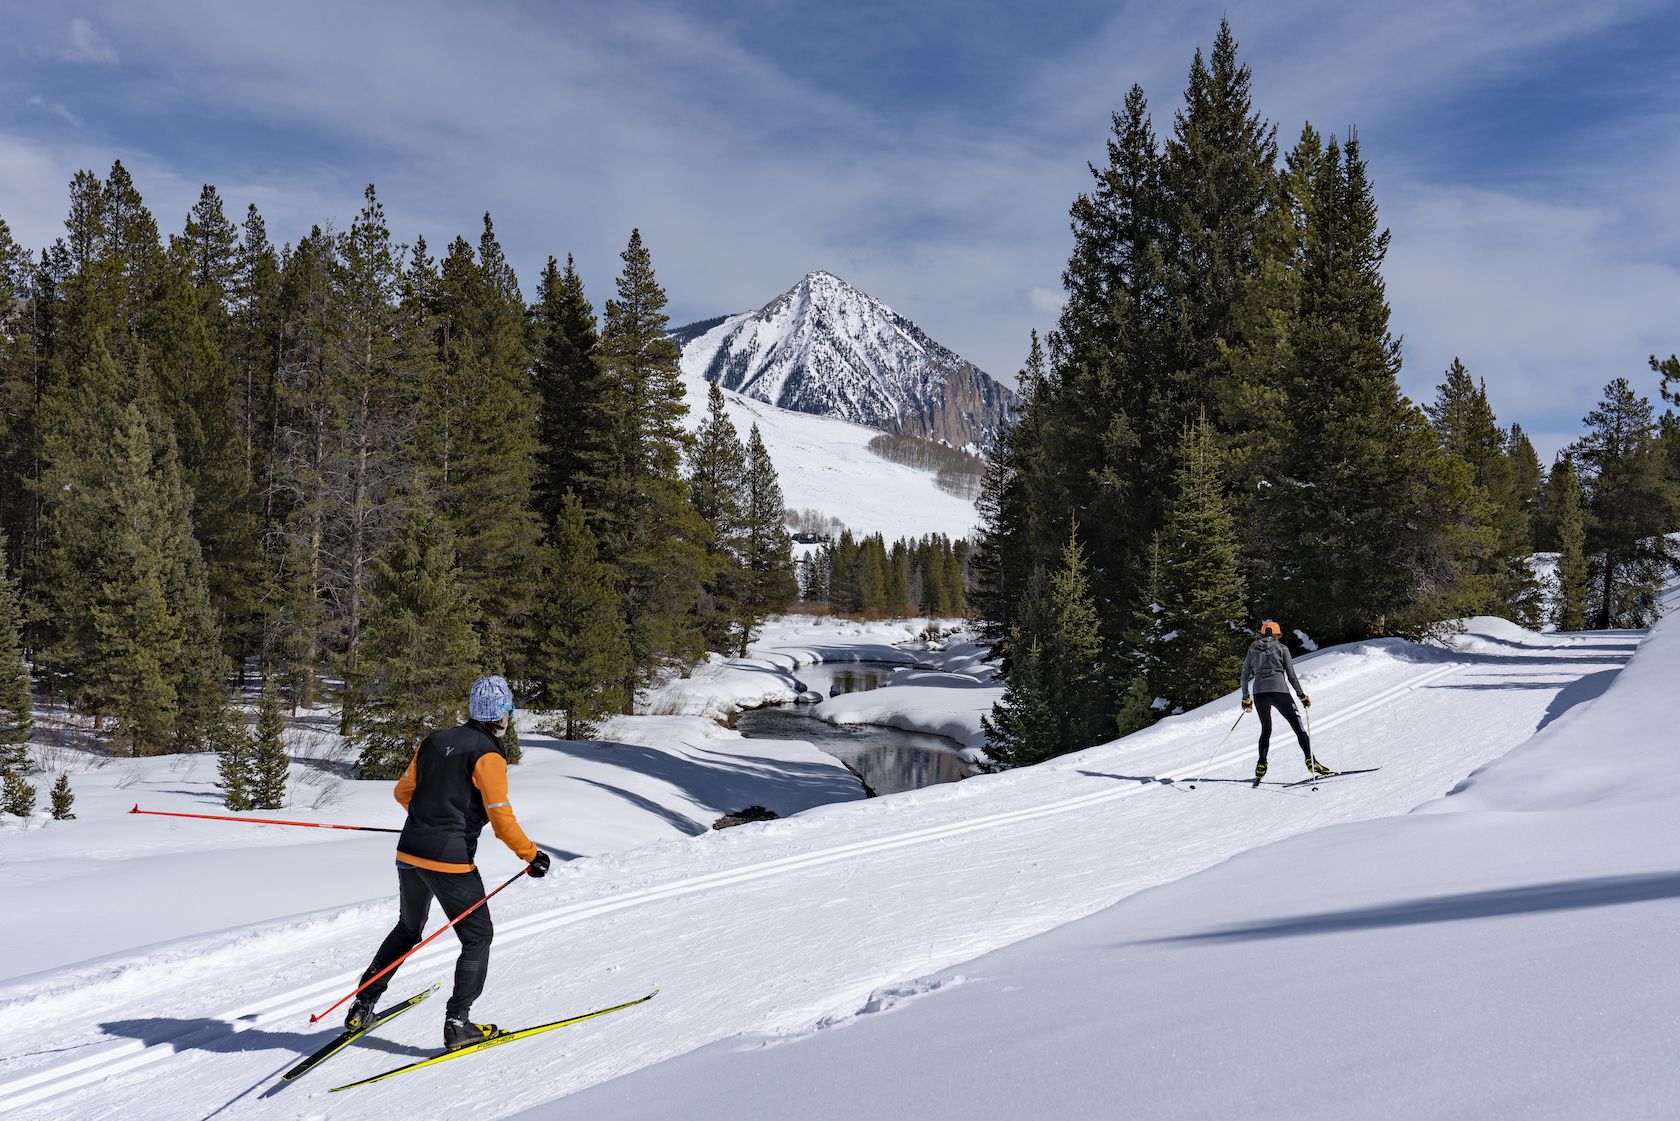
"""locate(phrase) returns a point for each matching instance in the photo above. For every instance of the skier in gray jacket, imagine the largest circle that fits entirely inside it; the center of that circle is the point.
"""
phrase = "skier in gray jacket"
(1271, 671)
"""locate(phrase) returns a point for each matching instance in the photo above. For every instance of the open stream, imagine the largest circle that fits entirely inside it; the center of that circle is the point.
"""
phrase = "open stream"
(887, 759)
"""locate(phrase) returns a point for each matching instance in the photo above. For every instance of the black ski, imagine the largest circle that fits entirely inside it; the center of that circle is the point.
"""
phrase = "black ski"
(345, 1039)
(498, 1040)
(1333, 774)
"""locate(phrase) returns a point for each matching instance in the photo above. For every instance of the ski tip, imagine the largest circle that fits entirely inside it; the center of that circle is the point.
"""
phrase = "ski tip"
(136, 808)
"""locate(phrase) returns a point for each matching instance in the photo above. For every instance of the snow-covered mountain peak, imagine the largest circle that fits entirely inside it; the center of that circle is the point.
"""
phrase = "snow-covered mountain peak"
(826, 347)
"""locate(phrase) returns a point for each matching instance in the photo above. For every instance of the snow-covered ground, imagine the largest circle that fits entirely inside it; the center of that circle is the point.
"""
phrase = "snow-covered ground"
(1506, 955)
(825, 464)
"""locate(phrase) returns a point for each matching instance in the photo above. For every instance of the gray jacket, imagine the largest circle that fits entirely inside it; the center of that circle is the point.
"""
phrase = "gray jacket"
(1269, 666)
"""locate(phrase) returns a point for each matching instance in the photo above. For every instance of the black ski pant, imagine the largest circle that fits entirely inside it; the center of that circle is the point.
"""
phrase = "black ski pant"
(1285, 704)
(455, 892)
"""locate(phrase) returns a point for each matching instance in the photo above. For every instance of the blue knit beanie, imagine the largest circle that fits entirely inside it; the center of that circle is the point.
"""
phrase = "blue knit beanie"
(491, 699)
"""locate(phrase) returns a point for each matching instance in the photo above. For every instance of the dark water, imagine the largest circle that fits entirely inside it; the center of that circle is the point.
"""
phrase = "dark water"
(889, 760)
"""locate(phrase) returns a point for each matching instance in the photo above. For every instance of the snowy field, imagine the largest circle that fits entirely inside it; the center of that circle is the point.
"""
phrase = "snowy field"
(1505, 954)
(825, 464)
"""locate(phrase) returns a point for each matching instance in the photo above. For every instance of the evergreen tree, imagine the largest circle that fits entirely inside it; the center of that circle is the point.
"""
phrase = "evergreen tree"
(1503, 580)
(1051, 702)
(63, 799)
(479, 439)
(16, 710)
(646, 528)
(420, 602)
(510, 745)
(717, 485)
(564, 334)
(1631, 507)
(1570, 608)
(234, 764)
(767, 554)
(16, 795)
(366, 394)
(1368, 521)
(580, 652)
(270, 765)
(1199, 587)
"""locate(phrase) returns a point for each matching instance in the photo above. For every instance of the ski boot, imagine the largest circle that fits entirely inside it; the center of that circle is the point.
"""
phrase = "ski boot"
(1318, 768)
(1259, 773)
(361, 1014)
(462, 1033)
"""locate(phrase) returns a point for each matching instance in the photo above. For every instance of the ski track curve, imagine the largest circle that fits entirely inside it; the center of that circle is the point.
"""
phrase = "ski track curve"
(96, 1068)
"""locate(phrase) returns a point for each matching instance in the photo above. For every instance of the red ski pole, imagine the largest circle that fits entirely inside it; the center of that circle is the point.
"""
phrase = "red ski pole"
(328, 1011)
(262, 820)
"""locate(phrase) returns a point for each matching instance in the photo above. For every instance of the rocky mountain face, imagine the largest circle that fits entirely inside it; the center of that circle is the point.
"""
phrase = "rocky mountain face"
(824, 347)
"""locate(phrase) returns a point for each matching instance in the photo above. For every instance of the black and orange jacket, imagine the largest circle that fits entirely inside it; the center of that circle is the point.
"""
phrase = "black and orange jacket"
(456, 784)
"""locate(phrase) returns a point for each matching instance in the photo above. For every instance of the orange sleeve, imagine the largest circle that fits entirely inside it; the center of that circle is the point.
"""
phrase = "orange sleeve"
(405, 785)
(490, 776)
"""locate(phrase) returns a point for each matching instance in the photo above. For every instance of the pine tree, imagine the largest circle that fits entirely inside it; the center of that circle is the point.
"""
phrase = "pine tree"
(717, 485)
(16, 710)
(234, 764)
(580, 652)
(646, 528)
(510, 745)
(767, 554)
(1052, 703)
(270, 765)
(1369, 517)
(563, 365)
(1199, 585)
(63, 799)
(420, 602)
(1631, 507)
(479, 439)
(16, 795)
(1570, 609)
(1464, 422)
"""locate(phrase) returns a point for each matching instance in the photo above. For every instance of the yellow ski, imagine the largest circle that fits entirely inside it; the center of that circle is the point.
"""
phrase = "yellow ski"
(505, 1037)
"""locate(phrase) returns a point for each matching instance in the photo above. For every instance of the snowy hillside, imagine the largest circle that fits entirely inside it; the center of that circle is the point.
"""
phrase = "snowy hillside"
(825, 464)
(1506, 954)
(825, 348)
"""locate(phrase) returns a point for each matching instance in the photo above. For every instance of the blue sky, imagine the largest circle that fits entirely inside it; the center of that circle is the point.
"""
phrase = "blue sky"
(1526, 155)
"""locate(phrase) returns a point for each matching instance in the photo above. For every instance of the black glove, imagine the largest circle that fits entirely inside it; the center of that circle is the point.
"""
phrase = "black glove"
(539, 865)
(1306, 701)
(1248, 705)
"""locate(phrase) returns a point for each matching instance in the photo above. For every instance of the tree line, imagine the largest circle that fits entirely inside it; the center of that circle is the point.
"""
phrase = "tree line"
(867, 576)
(1214, 434)
(360, 471)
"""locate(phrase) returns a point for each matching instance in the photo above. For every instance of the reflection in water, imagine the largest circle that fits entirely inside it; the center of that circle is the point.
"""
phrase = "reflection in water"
(889, 760)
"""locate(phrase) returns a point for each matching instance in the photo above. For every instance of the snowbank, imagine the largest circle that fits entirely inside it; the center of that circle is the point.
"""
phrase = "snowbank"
(1507, 951)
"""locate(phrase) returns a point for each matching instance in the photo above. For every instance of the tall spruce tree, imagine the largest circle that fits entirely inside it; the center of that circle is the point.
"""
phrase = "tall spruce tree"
(717, 485)
(1050, 704)
(1569, 513)
(420, 602)
(645, 525)
(767, 552)
(479, 437)
(1195, 654)
(16, 709)
(1367, 518)
(1502, 580)
(580, 653)
(564, 334)
(1631, 507)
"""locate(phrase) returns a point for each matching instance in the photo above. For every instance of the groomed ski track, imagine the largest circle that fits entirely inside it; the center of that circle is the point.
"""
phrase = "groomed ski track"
(776, 929)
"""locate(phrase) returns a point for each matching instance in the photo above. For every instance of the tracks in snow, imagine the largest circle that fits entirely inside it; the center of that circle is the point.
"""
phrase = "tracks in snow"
(105, 1061)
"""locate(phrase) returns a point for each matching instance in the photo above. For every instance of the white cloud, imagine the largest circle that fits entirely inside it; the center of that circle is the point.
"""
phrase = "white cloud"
(743, 175)
(82, 43)
(56, 108)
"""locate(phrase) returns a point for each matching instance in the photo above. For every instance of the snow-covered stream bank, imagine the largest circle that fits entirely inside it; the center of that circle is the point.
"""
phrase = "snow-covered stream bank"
(782, 930)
